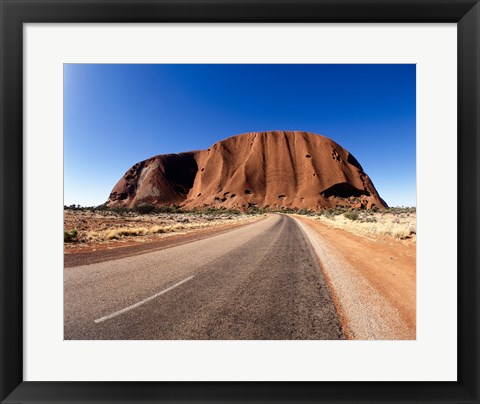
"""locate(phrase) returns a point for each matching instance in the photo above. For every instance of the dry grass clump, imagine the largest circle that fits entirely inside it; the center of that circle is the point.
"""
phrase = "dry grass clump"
(401, 226)
(115, 234)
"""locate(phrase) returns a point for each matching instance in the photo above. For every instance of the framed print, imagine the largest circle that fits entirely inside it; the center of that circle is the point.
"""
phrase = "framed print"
(238, 186)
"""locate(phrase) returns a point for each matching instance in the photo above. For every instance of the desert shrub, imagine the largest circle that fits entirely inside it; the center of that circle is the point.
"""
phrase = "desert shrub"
(71, 236)
(351, 215)
(168, 209)
(144, 208)
(304, 212)
(72, 207)
(163, 209)
(255, 210)
(399, 210)
(288, 210)
(231, 211)
(103, 207)
(120, 210)
(176, 209)
(338, 210)
(212, 211)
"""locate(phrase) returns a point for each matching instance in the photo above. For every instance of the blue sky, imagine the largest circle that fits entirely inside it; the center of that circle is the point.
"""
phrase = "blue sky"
(117, 115)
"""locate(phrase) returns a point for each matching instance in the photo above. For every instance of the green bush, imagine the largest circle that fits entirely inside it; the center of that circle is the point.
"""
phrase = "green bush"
(102, 207)
(338, 210)
(231, 211)
(304, 212)
(255, 210)
(351, 215)
(120, 210)
(168, 209)
(144, 208)
(71, 236)
(287, 210)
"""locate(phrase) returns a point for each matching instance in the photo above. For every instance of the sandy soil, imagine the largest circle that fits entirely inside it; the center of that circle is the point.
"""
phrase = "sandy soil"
(373, 280)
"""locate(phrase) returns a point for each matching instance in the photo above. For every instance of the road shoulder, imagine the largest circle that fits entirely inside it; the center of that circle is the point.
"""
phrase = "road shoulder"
(373, 282)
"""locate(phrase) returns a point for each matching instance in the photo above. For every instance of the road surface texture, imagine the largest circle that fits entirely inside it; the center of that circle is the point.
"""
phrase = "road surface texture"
(260, 281)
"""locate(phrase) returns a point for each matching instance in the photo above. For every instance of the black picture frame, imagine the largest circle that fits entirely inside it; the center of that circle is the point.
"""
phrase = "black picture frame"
(465, 13)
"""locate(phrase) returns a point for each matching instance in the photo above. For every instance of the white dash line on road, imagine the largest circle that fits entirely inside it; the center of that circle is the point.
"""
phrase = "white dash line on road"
(134, 306)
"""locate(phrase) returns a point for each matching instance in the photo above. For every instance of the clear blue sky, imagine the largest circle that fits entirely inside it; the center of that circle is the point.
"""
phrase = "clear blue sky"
(117, 115)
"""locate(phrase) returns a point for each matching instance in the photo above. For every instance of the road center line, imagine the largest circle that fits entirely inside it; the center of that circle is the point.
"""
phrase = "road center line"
(133, 306)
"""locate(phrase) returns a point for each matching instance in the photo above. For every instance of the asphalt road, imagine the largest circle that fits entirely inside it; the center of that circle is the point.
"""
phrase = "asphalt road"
(257, 282)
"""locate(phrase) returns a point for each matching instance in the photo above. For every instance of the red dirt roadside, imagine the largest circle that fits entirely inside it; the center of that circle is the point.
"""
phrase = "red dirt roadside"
(389, 265)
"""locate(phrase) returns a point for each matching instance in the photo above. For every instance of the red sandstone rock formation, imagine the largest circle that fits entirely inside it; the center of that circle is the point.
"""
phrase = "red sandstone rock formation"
(263, 169)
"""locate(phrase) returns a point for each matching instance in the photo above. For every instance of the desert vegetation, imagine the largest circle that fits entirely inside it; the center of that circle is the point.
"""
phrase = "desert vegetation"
(69, 236)
(84, 226)
(91, 225)
(399, 223)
